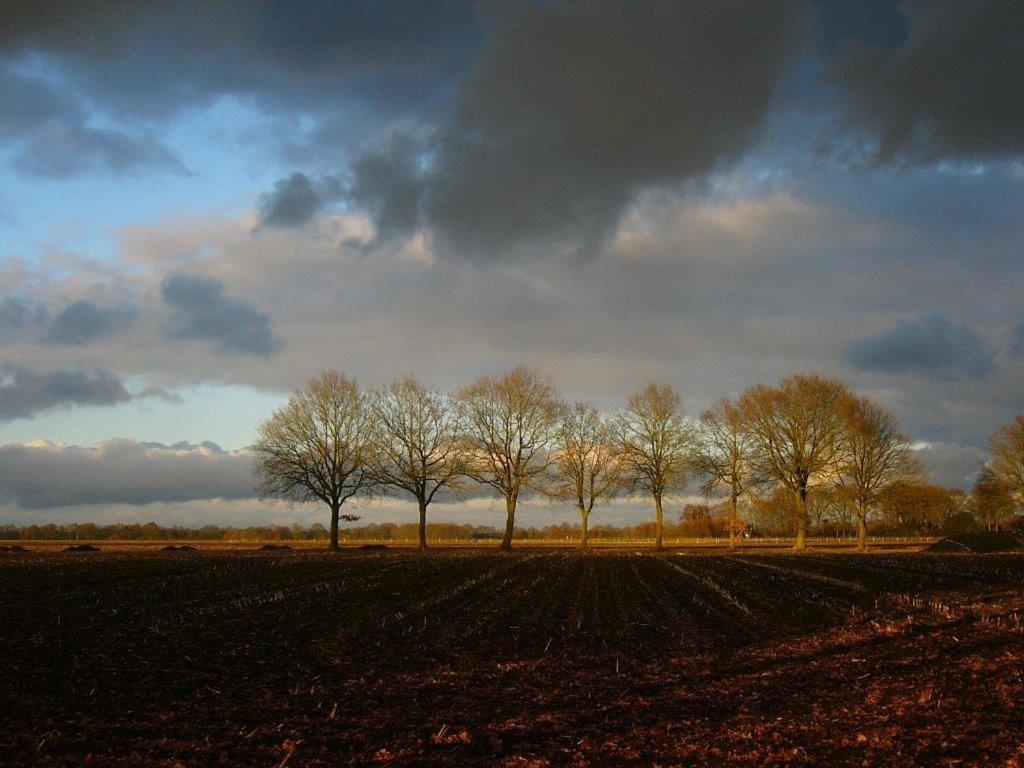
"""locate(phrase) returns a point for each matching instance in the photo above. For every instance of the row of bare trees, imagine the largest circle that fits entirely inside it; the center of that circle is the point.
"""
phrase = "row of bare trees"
(513, 433)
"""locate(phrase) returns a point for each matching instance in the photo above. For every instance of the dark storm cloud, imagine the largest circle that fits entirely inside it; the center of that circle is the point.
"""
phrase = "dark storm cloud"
(149, 58)
(953, 89)
(45, 476)
(84, 321)
(388, 184)
(932, 346)
(574, 108)
(19, 314)
(296, 199)
(204, 313)
(24, 393)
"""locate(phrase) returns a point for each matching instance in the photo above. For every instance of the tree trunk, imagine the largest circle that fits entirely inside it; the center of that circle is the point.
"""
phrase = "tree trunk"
(584, 515)
(660, 519)
(862, 530)
(801, 523)
(510, 522)
(733, 523)
(423, 523)
(335, 511)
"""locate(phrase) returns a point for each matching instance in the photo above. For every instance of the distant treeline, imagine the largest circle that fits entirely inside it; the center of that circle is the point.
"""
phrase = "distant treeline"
(927, 511)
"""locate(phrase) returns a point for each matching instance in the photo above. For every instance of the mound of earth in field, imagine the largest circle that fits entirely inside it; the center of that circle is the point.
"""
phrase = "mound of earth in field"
(13, 548)
(374, 547)
(276, 546)
(182, 548)
(985, 541)
(81, 548)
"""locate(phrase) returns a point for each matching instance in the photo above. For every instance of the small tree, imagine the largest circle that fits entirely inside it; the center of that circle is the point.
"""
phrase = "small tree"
(1007, 463)
(872, 455)
(696, 520)
(916, 506)
(586, 463)
(725, 458)
(794, 427)
(991, 500)
(419, 446)
(656, 443)
(318, 447)
(511, 421)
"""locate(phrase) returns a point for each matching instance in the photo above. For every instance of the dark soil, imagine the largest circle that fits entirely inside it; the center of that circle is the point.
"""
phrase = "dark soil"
(82, 548)
(12, 548)
(538, 658)
(276, 546)
(181, 548)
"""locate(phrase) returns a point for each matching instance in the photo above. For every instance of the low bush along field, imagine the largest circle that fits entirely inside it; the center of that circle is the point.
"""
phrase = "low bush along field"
(531, 659)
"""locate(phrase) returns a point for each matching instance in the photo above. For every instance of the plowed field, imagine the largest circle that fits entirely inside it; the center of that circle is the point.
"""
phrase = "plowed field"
(537, 658)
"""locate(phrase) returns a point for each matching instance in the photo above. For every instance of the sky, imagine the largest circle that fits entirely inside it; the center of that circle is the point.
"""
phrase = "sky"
(203, 205)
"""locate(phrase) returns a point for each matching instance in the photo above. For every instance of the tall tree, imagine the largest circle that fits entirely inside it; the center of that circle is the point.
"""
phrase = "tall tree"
(872, 455)
(586, 462)
(511, 422)
(656, 443)
(318, 447)
(1007, 463)
(419, 443)
(725, 458)
(794, 427)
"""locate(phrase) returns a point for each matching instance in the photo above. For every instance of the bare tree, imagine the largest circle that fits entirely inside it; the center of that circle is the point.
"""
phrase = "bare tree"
(318, 447)
(586, 462)
(725, 458)
(418, 439)
(794, 427)
(872, 454)
(1007, 463)
(511, 421)
(655, 441)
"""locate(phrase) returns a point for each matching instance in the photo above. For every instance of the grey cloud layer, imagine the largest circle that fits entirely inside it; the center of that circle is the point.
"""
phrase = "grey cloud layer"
(24, 392)
(1017, 344)
(48, 476)
(204, 313)
(932, 346)
(84, 321)
(49, 129)
(43, 476)
(19, 314)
